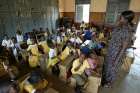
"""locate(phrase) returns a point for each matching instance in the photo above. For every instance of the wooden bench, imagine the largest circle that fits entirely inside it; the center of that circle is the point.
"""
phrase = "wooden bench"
(65, 66)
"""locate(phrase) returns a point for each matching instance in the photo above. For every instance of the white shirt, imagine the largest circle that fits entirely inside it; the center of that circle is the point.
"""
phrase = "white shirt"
(19, 38)
(76, 40)
(52, 53)
(29, 41)
(7, 43)
(58, 39)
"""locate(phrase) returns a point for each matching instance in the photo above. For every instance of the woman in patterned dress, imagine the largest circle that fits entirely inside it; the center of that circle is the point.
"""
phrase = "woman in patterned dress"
(120, 41)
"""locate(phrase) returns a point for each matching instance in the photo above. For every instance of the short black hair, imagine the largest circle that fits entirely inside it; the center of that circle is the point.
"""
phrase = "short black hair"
(128, 15)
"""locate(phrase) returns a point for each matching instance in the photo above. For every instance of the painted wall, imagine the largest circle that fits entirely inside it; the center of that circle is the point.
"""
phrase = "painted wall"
(97, 10)
(67, 8)
(69, 5)
(134, 5)
(26, 15)
(98, 5)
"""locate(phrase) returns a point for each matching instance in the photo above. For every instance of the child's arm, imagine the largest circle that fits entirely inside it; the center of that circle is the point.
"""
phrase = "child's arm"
(5, 66)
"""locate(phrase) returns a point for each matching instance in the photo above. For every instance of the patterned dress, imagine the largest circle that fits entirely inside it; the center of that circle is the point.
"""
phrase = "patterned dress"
(116, 53)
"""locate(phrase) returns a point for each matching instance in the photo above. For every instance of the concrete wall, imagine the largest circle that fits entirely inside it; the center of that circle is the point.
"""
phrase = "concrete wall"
(67, 8)
(97, 9)
(26, 15)
(134, 5)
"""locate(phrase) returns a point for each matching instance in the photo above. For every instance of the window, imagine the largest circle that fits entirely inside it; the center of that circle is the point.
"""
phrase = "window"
(82, 12)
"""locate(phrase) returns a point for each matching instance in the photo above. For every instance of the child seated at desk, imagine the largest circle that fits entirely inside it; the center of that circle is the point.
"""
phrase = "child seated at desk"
(33, 82)
(78, 69)
(45, 47)
(53, 59)
(52, 55)
(66, 51)
(34, 54)
(93, 62)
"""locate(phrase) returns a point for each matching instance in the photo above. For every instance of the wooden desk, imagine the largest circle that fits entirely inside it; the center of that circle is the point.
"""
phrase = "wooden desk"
(65, 66)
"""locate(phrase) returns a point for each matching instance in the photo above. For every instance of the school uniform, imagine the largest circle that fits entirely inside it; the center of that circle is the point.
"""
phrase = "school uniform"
(45, 46)
(79, 74)
(65, 53)
(52, 58)
(34, 57)
(19, 38)
(7, 43)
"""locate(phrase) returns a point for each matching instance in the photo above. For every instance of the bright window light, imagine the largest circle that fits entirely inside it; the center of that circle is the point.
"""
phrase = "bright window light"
(86, 13)
(137, 41)
(82, 12)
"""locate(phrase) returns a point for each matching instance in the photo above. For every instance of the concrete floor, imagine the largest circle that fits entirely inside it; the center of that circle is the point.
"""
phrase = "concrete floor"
(126, 82)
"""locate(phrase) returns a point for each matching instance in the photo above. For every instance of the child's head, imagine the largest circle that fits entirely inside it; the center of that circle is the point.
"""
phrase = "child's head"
(18, 32)
(102, 44)
(50, 44)
(85, 51)
(14, 88)
(14, 40)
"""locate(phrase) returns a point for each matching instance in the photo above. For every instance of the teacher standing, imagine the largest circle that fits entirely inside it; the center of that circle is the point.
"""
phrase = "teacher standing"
(120, 41)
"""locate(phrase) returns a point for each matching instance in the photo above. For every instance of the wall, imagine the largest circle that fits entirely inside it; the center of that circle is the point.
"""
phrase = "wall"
(26, 15)
(67, 8)
(97, 10)
(134, 5)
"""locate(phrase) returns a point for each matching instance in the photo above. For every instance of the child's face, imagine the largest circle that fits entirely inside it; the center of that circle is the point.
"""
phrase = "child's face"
(12, 90)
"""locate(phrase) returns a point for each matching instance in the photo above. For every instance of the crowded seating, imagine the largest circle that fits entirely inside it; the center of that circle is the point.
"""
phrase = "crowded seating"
(75, 56)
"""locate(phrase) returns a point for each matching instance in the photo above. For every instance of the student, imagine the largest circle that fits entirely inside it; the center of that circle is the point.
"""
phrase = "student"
(75, 39)
(73, 28)
(93, 61)
(52, 55)
(91, 44)
(83, 26)
(9, 70)
(6, 42)
(78, 69)
(34, 54)
(34, 82)
(101, 36)
(66, 51)
(45, 47)
(87, 34)
(19, 36)
(15, 48)
(14, 88)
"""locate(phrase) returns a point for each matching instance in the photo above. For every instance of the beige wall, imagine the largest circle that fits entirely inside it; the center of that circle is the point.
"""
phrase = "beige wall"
(67, 5)
(98, 5)
(135, 5)
(61, 5)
